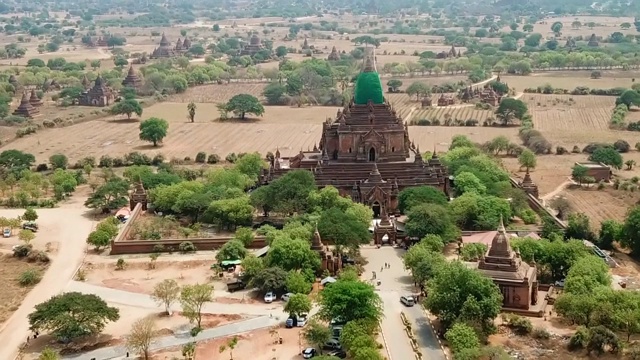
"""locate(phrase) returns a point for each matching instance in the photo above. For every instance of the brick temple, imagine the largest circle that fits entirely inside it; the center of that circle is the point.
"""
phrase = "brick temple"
(365, 152)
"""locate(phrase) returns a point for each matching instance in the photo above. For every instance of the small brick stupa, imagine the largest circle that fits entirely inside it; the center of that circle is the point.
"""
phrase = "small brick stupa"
(132, 80)
(334, 56)
(593, 41)
(26, 109)
(34, 99)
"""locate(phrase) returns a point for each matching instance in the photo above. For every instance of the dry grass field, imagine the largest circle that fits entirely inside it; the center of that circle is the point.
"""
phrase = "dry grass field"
(571, 79)
(567, 112)
(600, 205)
(215, 93)
(12, 293)
(605, 25)
(456, 112)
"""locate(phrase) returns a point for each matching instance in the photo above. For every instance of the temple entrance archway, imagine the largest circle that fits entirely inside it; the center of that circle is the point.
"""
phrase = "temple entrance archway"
(375, 207)
(372, 154)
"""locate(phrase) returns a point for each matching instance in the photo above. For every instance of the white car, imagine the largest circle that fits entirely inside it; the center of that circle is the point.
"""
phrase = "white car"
(308, 353)
(269, 297)
(286, 297)
(302, 320)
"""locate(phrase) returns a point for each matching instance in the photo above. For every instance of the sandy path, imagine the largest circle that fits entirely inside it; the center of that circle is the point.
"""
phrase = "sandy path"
(556, 191)
(69, 226)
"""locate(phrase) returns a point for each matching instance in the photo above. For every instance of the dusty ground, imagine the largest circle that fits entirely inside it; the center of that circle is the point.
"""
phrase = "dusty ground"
(12, 293)
(115, 332)
(571, 79)
(258, 345)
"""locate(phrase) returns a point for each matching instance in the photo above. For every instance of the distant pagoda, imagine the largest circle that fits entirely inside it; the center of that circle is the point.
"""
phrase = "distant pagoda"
(254, 46)
(34, 99)
(26, 109)
(334, 56)
(132, 80)
(593, 41)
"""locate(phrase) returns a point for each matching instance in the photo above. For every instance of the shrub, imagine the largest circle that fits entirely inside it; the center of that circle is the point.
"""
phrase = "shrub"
(622, 146)
(157, 160)
(576, 149)
(42, 167)
(158, 248)
(118, 162)
(29, 277)
(187, 247)
(520, 325)
(589, 149)
(529, 216)
(201, 157)
(136, 158)
(560, 150)
(38, 256)
(105, 161)
(540, 333)
(231, 158)
(579, 339)
(21, 251)
(120, 264)
(213, 159)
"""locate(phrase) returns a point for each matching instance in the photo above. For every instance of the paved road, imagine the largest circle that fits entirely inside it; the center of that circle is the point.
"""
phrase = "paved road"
(396, 281)
(118, 352)
(69, 227)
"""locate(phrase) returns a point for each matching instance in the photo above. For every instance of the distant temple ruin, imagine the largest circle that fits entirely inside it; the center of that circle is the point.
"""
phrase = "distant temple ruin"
(166, 50)
(98, 95)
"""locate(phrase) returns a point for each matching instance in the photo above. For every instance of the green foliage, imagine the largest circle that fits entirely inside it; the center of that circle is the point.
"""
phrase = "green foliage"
(243, 104)
(475, 212)
(527, 159)
(192, 298)
(29, 277)
(466, 182)
(628, 98)
(270, 279)
(244, 235)
(520, 325)
(607, 156)
(298, 304)
(287, 194)
(423, 261)
(252, 266)
(578, 227)
(458, 293)
(127, 107)
(350, 300)
(30, 214)
(462, 337)
(431, 219)
(71, 315)
(154, 130)
(610, 231)
(556, 257)
(630, 235)
(587, 274)
(343, 228)
(460, 141)
(58, 161)
(99, 239)
(510, 109)
(111, 195)
(232, 250)
(297, 283)
(473, 251)
(412, 196)
(316, 333)
(274, 93)
(292, 254)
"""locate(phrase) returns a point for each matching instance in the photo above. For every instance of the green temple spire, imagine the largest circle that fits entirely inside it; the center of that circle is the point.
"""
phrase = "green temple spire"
(368, 86)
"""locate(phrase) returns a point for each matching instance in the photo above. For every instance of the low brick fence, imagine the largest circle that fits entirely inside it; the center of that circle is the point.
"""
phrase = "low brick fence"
(120, 245)
(537, 206)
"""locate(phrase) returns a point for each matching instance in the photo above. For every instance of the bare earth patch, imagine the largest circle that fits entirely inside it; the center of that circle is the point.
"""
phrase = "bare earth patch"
(12, 293)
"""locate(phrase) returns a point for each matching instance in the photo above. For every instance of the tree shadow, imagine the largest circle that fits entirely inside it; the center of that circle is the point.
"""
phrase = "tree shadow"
(146, 147)
(246, 120)
(124, 121)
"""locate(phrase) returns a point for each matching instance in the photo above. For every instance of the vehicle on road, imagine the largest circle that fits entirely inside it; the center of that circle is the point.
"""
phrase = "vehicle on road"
(407, 300)
(559, 284)
(30, 225)
(269, 297)
(6, 232)
(291, 322)
(332, 344)
(302, 320)
(340, 354)
(235, 284)
(308, 353)
(336, 331)
(286, 297)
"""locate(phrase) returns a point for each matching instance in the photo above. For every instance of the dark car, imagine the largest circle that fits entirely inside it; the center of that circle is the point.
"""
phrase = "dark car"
(308, 353)
(340, 354)
(235, 284)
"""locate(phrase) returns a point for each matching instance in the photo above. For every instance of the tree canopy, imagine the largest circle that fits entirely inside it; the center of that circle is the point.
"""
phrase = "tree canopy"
(243, 104)
(153, 130)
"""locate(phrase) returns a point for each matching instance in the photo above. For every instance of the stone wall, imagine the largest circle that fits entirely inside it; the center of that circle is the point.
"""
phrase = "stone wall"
(120, 245)
(538, 207)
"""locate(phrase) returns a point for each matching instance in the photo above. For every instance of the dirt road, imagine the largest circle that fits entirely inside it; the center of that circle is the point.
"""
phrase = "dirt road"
(69, 226)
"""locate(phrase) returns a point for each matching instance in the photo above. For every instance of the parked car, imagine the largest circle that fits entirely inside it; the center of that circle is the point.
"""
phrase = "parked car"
(269, 297)
(286, 297)
(302, 320)
(337, 321)
(336, 331)
(407, 300)
(332, 344)
(235, 285)
(559, 284)
(30, 225)
(6, 232)
(308, 353)
(291, 322)
(340, 354)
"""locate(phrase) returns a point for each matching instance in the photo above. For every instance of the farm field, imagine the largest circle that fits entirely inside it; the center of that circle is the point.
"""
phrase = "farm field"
(571, 79)
(569, 112)
(12, 293)
(600, 205)
(218, 93)
(456, 112)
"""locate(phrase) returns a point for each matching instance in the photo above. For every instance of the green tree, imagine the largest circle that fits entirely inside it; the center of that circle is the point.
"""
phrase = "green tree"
(288, 193)
(394, 84)
(15, 160)
(292, 254)
(58, 161)
(533, 40)
(317, 334)
(630, 235)
(343, 228)
(423, 262)
(587, 274)
(556, 27)
(270, 279)
(251, 165)
(243, 104)
(127, 107)
(610, 231)
(251, 266)
(629, 97)
(140, 337)
(230, 213)
(578, 227)
(30, 214)
(579, 172)
(95, 64)
(111, 195)
(231, 344)
(191, 109)
(166, 293)
(458, 293)
(462, 337)
(418, 88)
(298, 304)
(527, 159)
(350, 300)
(274, 93)
(466, 182)
(120, 61)
(510, 109)
(26, 235)
(281, 51)
(192, 298)
(71, 315)
(297, 283)
(231, 250)
(244, 235)
(460, 141)
(607, 156)
(412, 196)
(99, 239)
(431, 219)
(154, 130)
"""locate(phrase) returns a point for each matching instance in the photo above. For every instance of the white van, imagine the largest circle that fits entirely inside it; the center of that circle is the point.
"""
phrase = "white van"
(407, 300)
